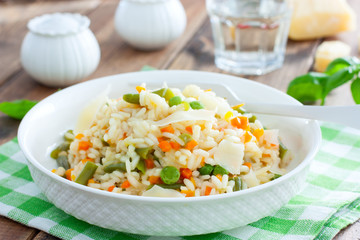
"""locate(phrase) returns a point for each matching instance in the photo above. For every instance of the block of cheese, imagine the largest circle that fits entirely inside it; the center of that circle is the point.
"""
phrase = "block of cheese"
(328, 51)
(320, 18)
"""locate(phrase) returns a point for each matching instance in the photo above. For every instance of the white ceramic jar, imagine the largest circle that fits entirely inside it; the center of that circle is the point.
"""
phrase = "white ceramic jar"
(150, 24)
(60, 50)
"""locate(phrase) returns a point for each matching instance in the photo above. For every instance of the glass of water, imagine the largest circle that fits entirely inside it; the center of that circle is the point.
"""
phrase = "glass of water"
(249, 35)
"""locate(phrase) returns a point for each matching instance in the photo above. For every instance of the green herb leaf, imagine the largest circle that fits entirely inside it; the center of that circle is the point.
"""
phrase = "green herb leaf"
(355, 90)
(341, 63)
(308, 87)
(339, 78)
(17, 109)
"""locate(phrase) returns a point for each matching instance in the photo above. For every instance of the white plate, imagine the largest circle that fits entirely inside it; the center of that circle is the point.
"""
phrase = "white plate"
(44, 125)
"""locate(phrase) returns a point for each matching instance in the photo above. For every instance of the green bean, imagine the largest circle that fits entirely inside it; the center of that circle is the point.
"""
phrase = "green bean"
(206, 169)
(69, 135)
(87, 173)
(141, 166)
(64, 146)
(185, 137)
(238, 184)
(165, 93)
(276, 176)
(219, 170)
(252, 119)
(174, 101)
(55, 153)
(169, 175)
(143, 152)
(62, 161)
(240, 110)
(116, 166)
(196, 105)
(282, 150)
(132, 98)
(175, 186)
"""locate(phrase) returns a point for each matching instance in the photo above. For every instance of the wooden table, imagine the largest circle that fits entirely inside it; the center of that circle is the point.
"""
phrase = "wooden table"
(193, 50)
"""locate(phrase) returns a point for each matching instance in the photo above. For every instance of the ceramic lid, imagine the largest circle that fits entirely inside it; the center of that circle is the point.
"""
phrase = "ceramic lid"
(58, 24)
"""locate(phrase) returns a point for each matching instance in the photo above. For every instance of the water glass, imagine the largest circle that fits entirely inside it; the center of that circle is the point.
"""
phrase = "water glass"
(249, 35)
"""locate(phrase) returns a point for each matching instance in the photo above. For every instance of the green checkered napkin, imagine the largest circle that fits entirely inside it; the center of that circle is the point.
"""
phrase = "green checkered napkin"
(329, 202)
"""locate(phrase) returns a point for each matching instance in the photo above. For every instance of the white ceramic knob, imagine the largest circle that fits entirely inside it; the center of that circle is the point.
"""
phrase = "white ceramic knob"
(59, 49)
(150, 24)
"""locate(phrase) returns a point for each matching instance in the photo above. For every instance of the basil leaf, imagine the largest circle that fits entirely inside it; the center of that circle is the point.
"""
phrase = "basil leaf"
(341, 63)
(16, 109)
(307, 88)
(355, 90)
(339, 78)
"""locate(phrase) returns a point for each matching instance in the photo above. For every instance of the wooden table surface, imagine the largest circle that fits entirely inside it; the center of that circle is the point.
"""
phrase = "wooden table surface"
(193, 50)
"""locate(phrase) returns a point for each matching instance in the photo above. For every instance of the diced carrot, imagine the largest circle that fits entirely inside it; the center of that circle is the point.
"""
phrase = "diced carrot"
(273, 145)
(193, 181)
(91, 181)
(190, 145)
(84, 145)
(168, 129)
(235, 122)
(247, 136)
(160, 139)
(219, 177)
(154, 179)
(87, 159)
(185, 173)
(140, 88)
(165, 146)
(111, 188)
(107, 130)
(176, 146)
(189, 129)
(258, 133)
(207, 190)
(53, 171)
(240, 122)
(202, 163)
(68, 173)
(247, 164)
(149, 163)
(125, 184)
(188, 193)
(79, 136)
(266, 155)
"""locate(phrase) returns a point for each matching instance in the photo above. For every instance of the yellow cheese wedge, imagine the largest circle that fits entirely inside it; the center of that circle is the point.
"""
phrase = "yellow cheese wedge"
(328, 51)
(320, 18)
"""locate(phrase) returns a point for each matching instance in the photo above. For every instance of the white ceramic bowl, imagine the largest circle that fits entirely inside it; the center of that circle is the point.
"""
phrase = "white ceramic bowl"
(43, 126)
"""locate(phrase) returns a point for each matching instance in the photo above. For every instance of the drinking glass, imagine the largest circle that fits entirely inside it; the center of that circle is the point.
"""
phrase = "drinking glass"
(249, 35)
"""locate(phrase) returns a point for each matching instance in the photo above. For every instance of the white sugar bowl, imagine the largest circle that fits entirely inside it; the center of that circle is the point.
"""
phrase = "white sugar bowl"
(59, 49)
(150, 24)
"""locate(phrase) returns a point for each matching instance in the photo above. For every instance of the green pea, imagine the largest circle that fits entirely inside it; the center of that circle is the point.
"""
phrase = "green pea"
(185, 137)
(240, 110)
(174, 101)
(170, 175)
(196, 105)
(132, 98)
(219, 170)
(252, 119)
(115, 167)
(141, 166)
(87, 173)
(143, 152)
(206, 169)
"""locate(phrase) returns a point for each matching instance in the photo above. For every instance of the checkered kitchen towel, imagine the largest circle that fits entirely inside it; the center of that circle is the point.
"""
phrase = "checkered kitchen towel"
(329, 202)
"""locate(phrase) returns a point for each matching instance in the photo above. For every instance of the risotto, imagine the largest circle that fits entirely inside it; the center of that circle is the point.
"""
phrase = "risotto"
(170, 143)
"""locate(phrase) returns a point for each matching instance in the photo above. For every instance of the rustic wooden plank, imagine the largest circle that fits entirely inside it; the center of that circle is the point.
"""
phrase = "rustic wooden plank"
(44, 236)
(11, 230)
(13, 20)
